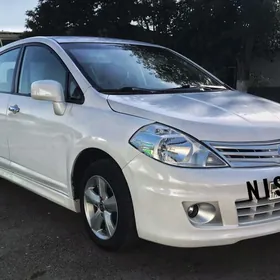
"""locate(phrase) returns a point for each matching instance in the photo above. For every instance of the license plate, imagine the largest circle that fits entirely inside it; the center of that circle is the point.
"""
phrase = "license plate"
(274, 191)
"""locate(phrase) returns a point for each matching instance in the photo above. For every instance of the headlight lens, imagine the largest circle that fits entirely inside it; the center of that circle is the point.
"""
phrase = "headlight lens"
(172, 147)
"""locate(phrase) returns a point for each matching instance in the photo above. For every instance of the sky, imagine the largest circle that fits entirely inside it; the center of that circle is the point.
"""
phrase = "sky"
(12, 14)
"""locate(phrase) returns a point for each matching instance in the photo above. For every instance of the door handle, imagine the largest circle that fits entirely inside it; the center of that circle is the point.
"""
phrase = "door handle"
(15, 109)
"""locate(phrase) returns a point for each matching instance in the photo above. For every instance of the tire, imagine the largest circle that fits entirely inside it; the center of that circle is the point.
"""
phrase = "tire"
(119, 232)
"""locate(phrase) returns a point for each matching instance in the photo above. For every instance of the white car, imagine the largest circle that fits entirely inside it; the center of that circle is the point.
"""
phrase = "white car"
(140, 140)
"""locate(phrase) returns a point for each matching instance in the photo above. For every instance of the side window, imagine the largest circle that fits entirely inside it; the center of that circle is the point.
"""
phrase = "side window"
(39, 63)
(8, 62)
(74, 93)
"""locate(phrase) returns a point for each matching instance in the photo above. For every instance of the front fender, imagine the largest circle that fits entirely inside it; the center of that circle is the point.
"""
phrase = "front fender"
(110, 136)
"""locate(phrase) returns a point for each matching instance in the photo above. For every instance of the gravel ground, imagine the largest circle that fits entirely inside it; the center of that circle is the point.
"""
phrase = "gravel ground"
(40, 240)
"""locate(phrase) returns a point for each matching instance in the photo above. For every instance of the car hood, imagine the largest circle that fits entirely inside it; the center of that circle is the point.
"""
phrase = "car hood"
(209, 116)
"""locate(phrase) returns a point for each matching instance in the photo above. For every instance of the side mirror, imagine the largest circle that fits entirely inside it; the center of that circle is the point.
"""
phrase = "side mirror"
(50, 90)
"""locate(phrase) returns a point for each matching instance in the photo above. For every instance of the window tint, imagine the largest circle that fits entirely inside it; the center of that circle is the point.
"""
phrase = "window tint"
(7, 68)
(39, 63)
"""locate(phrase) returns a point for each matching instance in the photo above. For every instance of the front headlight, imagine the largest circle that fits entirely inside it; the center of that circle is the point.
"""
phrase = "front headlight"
(172, 147)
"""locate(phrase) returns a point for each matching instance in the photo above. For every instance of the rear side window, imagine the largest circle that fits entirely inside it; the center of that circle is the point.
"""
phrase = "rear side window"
(8, 62)
(39, 63)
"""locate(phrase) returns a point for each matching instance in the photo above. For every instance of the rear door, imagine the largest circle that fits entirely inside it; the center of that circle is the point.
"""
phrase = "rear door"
(8, 65)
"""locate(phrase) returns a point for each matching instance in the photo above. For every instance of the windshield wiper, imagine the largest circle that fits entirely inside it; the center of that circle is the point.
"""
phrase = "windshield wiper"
(186, 87)
(212, 87)
(129, 89)
(194, 87)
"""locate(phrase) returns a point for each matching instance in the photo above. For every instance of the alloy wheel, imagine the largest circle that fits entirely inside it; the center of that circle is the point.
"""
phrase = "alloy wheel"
(100, 207)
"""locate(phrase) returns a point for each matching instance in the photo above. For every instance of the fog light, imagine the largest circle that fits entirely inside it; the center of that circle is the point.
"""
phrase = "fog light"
(201, 213)
(193, 210)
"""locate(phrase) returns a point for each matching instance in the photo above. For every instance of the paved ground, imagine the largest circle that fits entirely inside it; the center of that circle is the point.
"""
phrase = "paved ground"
(40, 240)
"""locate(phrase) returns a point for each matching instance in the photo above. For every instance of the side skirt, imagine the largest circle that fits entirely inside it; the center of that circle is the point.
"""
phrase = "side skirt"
(41, 190)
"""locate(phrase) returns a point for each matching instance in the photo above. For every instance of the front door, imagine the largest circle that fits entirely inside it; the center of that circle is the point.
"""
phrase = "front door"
(38, 139)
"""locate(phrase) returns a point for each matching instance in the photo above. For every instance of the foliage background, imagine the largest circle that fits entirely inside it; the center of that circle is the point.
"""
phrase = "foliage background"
(222, 36)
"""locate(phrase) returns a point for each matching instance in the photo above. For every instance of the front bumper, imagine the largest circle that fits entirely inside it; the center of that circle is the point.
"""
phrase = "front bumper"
(158, 192)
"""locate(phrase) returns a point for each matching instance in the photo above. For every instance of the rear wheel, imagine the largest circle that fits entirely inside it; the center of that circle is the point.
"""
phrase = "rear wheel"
(107, 206)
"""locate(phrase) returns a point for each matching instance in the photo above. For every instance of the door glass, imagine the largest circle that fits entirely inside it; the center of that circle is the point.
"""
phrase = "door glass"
(39, 63)
(7, 68)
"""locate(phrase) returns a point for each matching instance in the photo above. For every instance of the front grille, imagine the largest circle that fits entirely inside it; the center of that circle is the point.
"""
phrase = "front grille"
(249, 154)
(261, 211)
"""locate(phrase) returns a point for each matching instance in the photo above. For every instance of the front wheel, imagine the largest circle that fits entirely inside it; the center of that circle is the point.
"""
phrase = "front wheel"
(107, 206)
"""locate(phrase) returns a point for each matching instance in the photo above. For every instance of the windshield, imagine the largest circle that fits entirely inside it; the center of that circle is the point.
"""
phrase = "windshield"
(112, 67)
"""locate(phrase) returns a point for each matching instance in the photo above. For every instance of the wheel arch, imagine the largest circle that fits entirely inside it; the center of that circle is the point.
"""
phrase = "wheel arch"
(82, 161)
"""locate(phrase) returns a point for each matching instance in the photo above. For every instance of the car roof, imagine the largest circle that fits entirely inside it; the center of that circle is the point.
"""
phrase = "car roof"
(84, 39)
(74, 39)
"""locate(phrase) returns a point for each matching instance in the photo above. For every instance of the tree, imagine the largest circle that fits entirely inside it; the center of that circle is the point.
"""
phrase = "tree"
(220, 33)
(257, 34)
(76, 17)
(59, 17)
